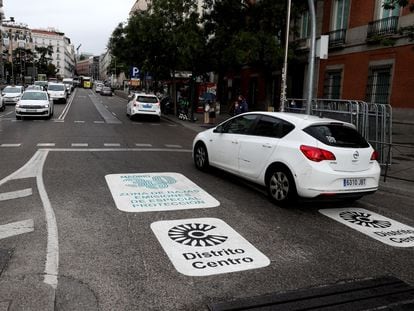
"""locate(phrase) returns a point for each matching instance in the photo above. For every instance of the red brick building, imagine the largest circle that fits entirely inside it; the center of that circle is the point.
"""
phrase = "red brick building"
(369, 59)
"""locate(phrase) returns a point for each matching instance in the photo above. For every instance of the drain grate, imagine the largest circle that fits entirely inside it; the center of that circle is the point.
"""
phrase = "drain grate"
(385, 293)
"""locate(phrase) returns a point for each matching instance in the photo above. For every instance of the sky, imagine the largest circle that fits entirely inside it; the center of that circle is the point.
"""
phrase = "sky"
(86, 22)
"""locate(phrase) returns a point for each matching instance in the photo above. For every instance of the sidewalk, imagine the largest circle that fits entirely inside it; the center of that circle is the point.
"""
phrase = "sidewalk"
(400, 175)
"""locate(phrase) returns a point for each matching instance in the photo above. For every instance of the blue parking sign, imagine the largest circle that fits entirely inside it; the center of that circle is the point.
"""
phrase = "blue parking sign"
(134, 72)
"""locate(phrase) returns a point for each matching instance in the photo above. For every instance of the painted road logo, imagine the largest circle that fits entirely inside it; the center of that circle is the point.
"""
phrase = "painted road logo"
(206, 246)
(157, 192)
(376, 226)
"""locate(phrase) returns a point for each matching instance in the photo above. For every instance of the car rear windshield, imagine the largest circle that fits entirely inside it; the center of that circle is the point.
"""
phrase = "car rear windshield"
(337, 135)
(147, 99)
(34, 96)
(56, 87)
(12, 90)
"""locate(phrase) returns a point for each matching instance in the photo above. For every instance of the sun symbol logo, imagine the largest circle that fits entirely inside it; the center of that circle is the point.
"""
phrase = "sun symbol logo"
(363, 219)
(195, 235)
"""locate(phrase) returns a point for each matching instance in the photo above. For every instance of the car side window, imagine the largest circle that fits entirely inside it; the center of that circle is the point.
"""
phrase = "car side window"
(239, 125)
(272, 127)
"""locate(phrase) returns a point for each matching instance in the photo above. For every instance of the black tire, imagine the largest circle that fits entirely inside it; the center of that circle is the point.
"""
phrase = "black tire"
(201, 157)
(18, 118)
(280, 186)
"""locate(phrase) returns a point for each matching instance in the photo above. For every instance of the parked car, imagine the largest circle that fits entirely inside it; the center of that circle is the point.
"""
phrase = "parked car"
(57, 92)
(34, 103)
(292, 155)
(11, 94)
(98, 87)
(106, 91)
(143, 104)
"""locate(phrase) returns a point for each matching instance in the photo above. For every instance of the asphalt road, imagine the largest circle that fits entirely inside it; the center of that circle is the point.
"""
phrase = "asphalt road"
(66, 244)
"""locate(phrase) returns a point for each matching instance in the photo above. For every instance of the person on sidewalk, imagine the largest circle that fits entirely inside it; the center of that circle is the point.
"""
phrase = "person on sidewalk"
(240, 105)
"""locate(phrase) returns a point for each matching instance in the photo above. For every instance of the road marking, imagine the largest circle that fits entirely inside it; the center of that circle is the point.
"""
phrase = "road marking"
(45, 145)
(150, 192)
(173, 146)
(67, 107)
(143, 145)
(98, 122)
(206, 246)
(79, 121)
(79, 145)
(10, 145)
(58, 121)
(16, 228)
(114, 114)
(15, 194)
(376, 226)
(112, 145)
(155, 124)
(172, 125)
(34, 169)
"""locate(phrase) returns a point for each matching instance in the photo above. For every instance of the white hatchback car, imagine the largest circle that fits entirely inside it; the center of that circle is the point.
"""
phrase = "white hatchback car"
(292, 155)
(143, 104)
(34, 103)
(57, 92)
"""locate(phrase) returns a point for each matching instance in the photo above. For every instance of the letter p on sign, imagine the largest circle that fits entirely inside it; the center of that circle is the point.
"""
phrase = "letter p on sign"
(135, 72)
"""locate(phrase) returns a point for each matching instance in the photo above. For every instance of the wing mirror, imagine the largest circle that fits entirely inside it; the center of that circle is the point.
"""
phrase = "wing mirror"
(218, 129)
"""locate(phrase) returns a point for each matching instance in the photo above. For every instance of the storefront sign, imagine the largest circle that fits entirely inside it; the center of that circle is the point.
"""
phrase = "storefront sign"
(376, 226)
(157, 192)
(206, 246)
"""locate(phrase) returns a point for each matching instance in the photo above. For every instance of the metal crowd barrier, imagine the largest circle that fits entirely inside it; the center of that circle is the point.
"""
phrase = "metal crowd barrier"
(373, 121)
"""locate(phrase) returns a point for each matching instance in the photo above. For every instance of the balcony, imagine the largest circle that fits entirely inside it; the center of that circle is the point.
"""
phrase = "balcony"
(337, 38)
(382, 27)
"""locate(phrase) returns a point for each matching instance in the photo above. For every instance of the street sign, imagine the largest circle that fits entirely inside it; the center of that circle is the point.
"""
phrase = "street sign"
(135, 72)
(206, 246)
(383, 229)
(150, 192)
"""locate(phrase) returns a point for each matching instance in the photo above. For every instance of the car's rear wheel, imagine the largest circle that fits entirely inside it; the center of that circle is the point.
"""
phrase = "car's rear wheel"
(201, 157)
(281, 186)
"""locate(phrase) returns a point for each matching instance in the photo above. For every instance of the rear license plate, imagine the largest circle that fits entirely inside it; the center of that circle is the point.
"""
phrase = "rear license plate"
(354, 182)
(147, 106)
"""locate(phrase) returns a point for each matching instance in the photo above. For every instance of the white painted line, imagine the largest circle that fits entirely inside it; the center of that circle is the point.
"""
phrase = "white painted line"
(98, 122)
(58, 121)
(79, 145)
(16, 228)
(68, 105)
(112, 145)
(376, 226)
(155, 124)
(206, 246)
(173, 146)
(10, 145)
(45, 145)
(143, 145)
(79, 121)
(150, 192)
(15, 194)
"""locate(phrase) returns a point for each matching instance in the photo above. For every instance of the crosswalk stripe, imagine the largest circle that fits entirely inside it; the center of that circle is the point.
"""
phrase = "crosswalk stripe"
(16, 228)
(45, 144)
(10, 145)
(15, 194)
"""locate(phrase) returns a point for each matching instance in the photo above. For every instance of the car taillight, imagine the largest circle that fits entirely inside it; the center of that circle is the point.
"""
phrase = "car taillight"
(374, 156)
(317, 154)
(135, 104)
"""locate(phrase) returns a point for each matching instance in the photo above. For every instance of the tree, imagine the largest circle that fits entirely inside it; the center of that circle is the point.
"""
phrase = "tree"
(44, 56)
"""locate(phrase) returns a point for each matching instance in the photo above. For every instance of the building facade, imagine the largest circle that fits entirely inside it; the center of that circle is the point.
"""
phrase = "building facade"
(63, 57)
(370, 58)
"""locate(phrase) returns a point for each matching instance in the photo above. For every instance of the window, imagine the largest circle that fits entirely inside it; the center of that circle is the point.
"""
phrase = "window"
(272, 127)
(378, 87)
(385, 13)
(340, 14)
(239, 125)
(304, 31)
(337, 135)
(332, 84)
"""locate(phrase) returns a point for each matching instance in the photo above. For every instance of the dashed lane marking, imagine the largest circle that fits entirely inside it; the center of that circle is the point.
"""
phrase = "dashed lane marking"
(112, 145)
(10, 145)
(143, 145)
(15, 194)
(16, 228)
(79, 121)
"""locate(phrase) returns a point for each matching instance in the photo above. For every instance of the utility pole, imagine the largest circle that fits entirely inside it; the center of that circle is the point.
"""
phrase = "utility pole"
(311, 57)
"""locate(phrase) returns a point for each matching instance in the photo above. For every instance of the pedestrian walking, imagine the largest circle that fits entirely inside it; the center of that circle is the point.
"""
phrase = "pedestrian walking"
(240, 106)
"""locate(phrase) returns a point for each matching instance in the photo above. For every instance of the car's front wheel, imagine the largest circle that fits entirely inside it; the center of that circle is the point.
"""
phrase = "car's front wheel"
(281, 186)
(201, 157)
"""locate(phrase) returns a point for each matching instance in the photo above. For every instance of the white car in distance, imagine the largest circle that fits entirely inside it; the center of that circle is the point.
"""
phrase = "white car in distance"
(57, 92)
(292, 155)
(34, 103)
(144, 105)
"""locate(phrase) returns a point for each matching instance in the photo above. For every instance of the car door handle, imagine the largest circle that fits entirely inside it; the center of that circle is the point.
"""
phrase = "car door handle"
(234, 142)
(267, 146)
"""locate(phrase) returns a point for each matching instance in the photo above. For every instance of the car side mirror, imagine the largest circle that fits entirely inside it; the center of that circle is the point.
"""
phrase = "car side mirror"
(218, 129)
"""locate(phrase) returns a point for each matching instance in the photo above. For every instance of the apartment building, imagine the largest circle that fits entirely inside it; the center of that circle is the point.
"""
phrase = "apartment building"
(63, 56)
(369, 59)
